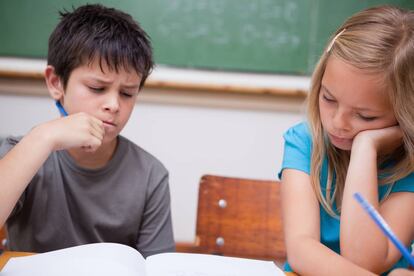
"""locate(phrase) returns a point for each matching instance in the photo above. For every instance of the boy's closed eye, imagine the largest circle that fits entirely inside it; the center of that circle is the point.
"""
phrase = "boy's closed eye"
(127, 94)
(102, 89)
(96, 89)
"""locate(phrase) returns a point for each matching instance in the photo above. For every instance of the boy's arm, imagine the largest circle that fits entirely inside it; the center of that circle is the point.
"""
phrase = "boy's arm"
(301, 220)
(18, 167)
(22, 162)
(362, 241)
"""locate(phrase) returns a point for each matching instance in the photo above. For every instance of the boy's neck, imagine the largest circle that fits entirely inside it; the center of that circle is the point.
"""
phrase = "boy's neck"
(94, 160)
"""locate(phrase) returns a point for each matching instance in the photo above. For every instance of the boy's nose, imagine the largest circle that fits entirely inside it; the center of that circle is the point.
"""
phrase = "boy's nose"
(112, 103)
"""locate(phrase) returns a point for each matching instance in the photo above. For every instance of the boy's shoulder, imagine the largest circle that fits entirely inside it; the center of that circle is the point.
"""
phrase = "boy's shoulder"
(11, 140)
(7, 143)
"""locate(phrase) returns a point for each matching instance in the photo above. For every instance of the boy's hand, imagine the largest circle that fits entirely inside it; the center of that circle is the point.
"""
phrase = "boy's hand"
(384, 140)
(74, 131)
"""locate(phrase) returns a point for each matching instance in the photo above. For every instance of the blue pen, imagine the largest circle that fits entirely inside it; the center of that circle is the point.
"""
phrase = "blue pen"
(62, 111)
(384, 227)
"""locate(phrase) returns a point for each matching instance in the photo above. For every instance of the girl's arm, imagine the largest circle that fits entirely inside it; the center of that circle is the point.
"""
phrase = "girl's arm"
(401, 272)
(301, 220)
(362, 242)
(22, 162)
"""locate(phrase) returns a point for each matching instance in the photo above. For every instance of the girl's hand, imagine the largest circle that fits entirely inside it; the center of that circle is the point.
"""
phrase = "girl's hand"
(79, 130)
(384, 140)
(401, 272)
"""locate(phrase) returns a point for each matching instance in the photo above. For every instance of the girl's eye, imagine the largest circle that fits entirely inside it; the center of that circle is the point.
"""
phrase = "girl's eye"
(367, 118)
(328, 99)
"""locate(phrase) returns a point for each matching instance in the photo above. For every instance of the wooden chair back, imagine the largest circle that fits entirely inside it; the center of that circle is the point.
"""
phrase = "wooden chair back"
(3, 237)
(240, 217)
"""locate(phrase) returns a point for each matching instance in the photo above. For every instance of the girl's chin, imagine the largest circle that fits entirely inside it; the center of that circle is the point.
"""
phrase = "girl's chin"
(340, 143)
(342, 146)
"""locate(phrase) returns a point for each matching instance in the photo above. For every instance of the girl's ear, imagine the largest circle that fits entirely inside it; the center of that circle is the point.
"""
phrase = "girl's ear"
(54, 83)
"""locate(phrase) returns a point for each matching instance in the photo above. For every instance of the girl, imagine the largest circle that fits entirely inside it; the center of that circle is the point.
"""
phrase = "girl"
(359, 138)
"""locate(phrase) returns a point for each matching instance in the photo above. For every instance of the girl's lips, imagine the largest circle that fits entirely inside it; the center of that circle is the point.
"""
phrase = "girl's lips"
(339, 139)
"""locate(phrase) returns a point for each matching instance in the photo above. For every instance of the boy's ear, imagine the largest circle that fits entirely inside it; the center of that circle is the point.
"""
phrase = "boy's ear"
(54, 83)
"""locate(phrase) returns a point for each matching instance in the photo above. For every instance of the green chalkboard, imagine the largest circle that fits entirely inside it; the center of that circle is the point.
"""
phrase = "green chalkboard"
(282, 36)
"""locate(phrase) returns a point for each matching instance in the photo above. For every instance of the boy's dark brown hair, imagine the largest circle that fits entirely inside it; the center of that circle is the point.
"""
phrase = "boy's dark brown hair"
(95, 31)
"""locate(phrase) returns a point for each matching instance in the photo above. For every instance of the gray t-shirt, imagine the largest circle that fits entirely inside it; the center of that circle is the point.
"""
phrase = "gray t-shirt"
(127, 201)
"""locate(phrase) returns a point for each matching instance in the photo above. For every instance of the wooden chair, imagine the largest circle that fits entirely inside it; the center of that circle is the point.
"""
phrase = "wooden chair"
(3, 237)
(238, 217)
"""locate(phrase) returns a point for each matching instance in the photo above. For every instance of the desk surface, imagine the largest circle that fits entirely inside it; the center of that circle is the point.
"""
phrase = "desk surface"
(5, 257)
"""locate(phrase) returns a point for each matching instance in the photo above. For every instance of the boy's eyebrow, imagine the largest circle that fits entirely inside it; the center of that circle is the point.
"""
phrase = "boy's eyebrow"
(129, 86)
(101, 81)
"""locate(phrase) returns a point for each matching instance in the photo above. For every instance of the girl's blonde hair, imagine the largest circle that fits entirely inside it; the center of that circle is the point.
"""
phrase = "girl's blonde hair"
(378, 40)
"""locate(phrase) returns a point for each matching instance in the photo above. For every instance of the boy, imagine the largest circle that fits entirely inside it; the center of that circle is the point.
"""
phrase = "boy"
(75, 180)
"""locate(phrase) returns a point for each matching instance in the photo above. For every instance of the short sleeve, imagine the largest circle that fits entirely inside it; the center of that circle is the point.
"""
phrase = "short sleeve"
(404, 185)
(156, 234)
(5, 146)
(297, 149)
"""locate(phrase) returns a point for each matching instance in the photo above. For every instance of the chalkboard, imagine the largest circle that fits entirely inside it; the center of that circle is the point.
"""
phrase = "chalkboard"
(274, 36)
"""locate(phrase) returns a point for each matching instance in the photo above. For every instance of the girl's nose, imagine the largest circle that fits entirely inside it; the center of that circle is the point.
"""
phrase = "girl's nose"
(340, 121)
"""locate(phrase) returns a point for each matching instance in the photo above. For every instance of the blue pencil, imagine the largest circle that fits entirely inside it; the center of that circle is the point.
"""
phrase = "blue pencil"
(62, 111)
(384, 227)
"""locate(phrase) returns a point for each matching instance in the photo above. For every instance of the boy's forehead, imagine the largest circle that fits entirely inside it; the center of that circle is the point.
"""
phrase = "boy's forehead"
(98, 62)
(99, 71)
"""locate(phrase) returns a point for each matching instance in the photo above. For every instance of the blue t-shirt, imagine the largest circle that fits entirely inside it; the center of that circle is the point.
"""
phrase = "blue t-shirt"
(297, 155)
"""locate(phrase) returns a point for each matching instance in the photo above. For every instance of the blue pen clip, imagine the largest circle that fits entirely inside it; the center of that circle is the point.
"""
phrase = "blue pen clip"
(384, 227)
(62, 111)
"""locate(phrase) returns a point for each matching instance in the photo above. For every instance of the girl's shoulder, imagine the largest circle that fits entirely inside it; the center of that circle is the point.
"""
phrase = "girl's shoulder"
(301, 127)
(405, 184)
(297, 148)
(299, 133)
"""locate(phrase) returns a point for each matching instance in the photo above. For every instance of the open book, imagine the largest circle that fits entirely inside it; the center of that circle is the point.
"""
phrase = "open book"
(108, 259)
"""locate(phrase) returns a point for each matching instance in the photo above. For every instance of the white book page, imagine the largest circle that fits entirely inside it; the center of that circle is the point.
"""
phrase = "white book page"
(185, 264)
(103, 259)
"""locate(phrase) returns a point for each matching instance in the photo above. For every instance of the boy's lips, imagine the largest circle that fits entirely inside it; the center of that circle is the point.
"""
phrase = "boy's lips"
(109, 123)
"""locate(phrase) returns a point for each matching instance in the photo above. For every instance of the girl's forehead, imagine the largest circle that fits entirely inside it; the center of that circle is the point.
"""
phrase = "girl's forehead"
(357, 87)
